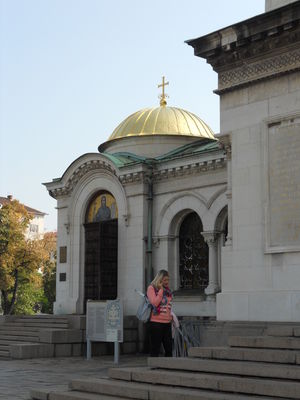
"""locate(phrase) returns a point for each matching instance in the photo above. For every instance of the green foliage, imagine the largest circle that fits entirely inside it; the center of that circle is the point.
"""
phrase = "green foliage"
(27, 267)
(29, 297)
(49, 273)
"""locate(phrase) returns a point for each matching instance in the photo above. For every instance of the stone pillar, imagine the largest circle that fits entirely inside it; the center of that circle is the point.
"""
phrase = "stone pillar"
(211, 239)
(226, 145)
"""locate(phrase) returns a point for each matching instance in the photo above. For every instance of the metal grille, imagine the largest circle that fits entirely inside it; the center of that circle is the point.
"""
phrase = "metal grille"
(193, 254)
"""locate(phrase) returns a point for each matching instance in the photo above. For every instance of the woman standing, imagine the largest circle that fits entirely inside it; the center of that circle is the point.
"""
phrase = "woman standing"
(160, 328)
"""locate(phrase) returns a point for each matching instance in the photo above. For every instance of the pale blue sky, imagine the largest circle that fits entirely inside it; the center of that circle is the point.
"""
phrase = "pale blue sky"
(72, 70)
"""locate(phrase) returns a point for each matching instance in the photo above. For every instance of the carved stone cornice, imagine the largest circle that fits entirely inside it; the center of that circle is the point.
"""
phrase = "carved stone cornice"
(78, 174)
(185, 170)
(258, 48)
(255, 71)
(133, 177)
(174, 172)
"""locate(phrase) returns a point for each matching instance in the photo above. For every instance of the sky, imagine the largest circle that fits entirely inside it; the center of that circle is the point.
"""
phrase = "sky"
(72, 70)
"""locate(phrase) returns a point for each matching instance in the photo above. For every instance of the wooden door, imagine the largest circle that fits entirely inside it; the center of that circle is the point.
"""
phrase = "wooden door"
(101, 260)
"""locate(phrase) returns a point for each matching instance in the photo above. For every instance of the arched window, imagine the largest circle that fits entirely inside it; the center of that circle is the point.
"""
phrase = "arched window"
(193, 254)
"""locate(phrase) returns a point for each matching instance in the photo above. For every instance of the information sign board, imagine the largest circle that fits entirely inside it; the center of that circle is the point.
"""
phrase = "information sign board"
(104, 322)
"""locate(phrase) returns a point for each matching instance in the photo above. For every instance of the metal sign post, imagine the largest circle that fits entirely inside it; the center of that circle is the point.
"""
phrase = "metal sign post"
(104, 323)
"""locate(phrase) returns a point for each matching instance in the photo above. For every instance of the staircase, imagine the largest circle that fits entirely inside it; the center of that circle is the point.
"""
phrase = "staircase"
(249, 368)
(28, 336)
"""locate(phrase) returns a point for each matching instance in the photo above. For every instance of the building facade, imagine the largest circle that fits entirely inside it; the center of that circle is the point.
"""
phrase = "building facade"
(220, 212)
(258, 62)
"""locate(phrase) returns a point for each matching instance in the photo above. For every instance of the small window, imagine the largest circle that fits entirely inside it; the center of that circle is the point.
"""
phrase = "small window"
(33, 228)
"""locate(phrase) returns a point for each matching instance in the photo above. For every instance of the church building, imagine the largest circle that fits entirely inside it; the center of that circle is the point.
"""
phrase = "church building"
(220, 212)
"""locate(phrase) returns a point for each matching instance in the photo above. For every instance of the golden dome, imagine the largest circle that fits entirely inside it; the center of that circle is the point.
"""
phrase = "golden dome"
(162, 120)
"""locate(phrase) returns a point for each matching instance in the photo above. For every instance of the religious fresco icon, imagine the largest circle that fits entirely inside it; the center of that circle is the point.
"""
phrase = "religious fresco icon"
(102, 208)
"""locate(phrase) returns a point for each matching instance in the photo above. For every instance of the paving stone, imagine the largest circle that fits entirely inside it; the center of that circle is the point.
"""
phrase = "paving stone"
(19, 377)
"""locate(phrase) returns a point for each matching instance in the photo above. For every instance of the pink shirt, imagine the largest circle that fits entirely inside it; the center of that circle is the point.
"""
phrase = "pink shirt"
(165, 303)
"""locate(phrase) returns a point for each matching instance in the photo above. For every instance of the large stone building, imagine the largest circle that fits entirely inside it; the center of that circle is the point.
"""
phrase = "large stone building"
(221, 213)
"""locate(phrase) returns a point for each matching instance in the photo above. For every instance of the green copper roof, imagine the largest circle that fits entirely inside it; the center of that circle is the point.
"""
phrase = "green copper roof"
(121, 159)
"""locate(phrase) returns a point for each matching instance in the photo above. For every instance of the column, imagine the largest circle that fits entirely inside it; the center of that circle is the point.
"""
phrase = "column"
(229, 195)
(210, 238)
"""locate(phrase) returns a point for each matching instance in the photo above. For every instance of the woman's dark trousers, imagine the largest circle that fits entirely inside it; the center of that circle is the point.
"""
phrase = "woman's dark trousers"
(160, 333)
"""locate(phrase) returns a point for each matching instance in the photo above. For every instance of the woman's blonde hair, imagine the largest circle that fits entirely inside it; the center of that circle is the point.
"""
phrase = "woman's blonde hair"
(159, 277)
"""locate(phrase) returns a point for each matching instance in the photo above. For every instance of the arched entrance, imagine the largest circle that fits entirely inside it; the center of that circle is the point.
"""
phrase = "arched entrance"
(101, 248)
(193, 255)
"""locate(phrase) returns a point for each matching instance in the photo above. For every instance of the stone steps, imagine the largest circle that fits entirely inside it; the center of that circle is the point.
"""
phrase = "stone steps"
(252, 367)
(41, 317)
(12, 327)
(19, 338)
(38, 325)
(5, 355)
(15, 332)
(246, 368)
(212, 381)
(265, 342)
(9, 342)
(104, 389)
(72, 395)
(247, 354)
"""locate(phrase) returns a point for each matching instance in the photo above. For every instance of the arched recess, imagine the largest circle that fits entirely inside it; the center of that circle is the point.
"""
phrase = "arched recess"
(171, 217)
(101, 248)
(193, 256)
(86, 189)
(178, 207)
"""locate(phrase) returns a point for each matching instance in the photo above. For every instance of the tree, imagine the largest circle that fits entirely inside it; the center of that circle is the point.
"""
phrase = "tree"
(20, 258)
(49, 272)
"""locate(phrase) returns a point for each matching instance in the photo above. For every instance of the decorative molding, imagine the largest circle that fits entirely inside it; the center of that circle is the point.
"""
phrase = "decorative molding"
(250, 72)
(211, 237)
(133, 177)
(174, 172)
(184, 170)
(78, 174)
(139, 176)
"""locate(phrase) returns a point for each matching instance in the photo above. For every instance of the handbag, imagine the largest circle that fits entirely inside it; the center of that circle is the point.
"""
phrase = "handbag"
(143, 313)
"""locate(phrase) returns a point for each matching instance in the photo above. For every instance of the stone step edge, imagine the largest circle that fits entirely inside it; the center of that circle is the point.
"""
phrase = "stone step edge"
(145, 391)
(71, 394)
(265, 342)
(228, 367)
(213, 381)
(291, 357)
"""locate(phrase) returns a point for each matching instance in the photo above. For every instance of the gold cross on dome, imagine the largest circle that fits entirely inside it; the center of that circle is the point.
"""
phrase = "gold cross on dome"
(163, 96)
